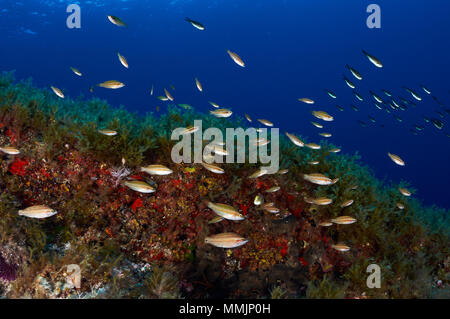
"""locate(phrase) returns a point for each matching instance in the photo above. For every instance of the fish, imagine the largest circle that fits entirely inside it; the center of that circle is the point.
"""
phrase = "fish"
(324, 134)
(325, 223)
(322, 201)
(437, 123)
(343, 220)
(404, 191)
(334, 150)
(347, 203)
(199, 85)
(358, 96)
(373, 59)
(331, 94)
(117, 21)
(283, 171)
(270, 208)
(248, 118)
(9, 150)
(349, 83)
(317, 178)
(306, 100)
(387, 93)
(355, 73)
(225, 211)
(195, 24)
(57, 91)
(259, 200)
(313, 146)
(122, 60)
(261, 141)
(414, 94)
(317, 124)
(265, 122)
(218, 149)
(341, 247)
(313, 162)
(273, 189)
(163, 98)
(221, 113)
(108, 132)
(216, 219)
(76, 71)
(376, 97)
(190, 130)
(139, 186)
(213, 168)
(112, 84)
(371, 119)
(378, 106)
(151, 90)
(354, 107)
(236, 58)
(214, 104)
(398, 118)
(400, 206)
(226, 240)
(91, 89)
(396, 159)
(156, 169)
(294, 139)
(323, 115)
(37, 211)
(340, 108)
(169, 96)
(260, 172)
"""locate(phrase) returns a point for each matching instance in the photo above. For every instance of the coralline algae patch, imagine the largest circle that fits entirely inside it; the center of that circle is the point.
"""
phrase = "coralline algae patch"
(131, 244)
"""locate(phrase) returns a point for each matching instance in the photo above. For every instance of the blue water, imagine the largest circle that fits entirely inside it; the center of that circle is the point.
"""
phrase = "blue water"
(291, 48)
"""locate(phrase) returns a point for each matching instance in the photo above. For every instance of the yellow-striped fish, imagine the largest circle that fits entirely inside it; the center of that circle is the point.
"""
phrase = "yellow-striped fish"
(199, 85)
(265, 122)
(112, 84)
(156, 169)
(396, 159)
(221, 113)
(404, 191)
(317, 178)
(38, 211)
(347, 203)
(226, 240)
(9, 150)
(122, 60)
(306, 100)
(273, 189)
(341, 247)
(343, 220)
(260, 172)
(108, 132)
(213, 168)
(236, 58)
(57, 91)
(294, 139)
(323, 115)
(168, 95)
(317, 124)
(139, 186)
(313, 146)
(226, 211)
(76, 71)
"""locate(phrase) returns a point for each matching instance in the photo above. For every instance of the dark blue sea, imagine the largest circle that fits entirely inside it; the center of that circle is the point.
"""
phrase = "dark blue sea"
(291, 48)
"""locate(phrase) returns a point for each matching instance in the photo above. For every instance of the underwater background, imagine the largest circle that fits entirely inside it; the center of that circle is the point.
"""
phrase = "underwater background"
(135, 246)
(292, 49)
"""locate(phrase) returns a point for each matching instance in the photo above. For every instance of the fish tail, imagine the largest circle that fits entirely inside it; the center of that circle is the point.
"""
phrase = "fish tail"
(187, 19)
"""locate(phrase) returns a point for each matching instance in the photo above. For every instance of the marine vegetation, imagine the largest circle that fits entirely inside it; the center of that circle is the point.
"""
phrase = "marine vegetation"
(132, 244)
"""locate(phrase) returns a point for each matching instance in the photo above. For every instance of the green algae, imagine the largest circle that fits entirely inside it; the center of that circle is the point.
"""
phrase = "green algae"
(410, 244)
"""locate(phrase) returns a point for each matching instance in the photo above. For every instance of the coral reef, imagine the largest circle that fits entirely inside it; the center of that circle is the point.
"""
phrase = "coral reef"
(134, 245)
